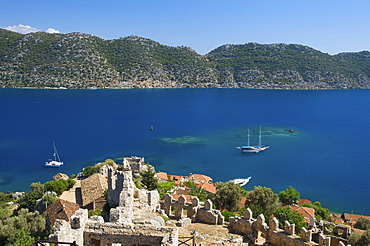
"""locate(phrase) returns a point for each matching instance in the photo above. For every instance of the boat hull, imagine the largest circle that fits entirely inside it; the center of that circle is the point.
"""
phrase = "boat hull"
(253, 149)
(241, 181)
(54, 164)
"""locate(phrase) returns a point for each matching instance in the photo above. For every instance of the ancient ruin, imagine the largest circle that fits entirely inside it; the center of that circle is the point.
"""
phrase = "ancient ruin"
(136, 217)
(256, 230)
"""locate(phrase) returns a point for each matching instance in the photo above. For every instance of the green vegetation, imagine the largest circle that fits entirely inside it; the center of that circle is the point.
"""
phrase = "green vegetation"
(28, 201)
(362, 224)
(360, 240)
(165, 187)
(24, 227)
(228, 196)
(289, 196)
(77, 60)
(97, 212)
(228, 214)
(60, 185)
(320, 212)
(198, 192)
(89, 170)
(262, 200)
(287, 214)
(149, 180)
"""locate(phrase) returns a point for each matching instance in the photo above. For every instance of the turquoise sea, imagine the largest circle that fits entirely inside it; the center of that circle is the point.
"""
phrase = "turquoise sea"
(196, 131)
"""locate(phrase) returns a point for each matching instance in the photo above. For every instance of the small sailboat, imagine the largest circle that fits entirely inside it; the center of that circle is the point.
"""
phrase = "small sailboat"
(254, 149)
(240, 181)
(56, 162)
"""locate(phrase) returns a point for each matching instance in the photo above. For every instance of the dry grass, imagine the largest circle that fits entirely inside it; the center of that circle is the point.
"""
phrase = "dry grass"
(212, 235)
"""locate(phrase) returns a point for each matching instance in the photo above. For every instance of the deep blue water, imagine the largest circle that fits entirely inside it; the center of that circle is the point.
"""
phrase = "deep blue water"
(326, 159)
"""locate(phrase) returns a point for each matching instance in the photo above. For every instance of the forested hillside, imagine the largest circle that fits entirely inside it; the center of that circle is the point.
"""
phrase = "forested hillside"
(77, 60)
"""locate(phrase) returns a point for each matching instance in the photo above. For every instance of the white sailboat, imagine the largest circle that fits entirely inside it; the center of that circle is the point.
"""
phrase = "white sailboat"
(254, 149)
(56, 162)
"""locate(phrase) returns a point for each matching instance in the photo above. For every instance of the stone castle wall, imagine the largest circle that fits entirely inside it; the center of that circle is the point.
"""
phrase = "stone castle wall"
(255, 229)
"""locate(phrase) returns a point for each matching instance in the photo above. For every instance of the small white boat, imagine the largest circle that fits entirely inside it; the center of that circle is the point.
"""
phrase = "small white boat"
(254, 149)
(56, 162)
(241, 181)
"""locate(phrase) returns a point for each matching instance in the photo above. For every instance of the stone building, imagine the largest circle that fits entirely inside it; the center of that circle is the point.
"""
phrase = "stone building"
(132, 218)
(61, 209)
(93, 190)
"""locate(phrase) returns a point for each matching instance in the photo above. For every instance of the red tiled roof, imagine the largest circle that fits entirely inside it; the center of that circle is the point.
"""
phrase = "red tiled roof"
(304, 201)
(177, 178)
(61, 209)
(304, 211)
(337, 219)
(200, 178)
(353, 217)
(207, 187)
(162, 175)
(358, 231)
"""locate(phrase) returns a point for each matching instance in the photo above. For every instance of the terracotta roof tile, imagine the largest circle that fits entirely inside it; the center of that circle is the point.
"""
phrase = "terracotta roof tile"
(61, 209)
(162, 175)
(200, 178)
(93, 187)
(207, 187)
(60, 176)
(304, 211)
(304, 201)
(352, 218)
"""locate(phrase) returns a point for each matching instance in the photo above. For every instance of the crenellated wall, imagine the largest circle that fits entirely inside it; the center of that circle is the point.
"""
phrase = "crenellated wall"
(255, 229)
(192, 210)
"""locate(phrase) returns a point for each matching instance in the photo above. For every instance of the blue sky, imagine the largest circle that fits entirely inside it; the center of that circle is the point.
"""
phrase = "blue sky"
(331, 26)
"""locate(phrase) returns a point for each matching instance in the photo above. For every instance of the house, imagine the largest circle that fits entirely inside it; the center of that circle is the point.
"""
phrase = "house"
(200, 178)
(351, 219)
(162, 177)
(304, 201)
(307, 213)
(60, 176)
(61, 209)
(211, 188)
(93, 190)
(177, 178)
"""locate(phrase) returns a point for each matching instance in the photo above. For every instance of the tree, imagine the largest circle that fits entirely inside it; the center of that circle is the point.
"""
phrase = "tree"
(32, 223)
(362, 224)
(50, 198)
(165, 187)
(360, 240)
(29, 200)
(262, 200)
(287, 214)
(20, 238)
(88, 171)
(149, 180)
(289, 196)
(228, 196)
(58, 186)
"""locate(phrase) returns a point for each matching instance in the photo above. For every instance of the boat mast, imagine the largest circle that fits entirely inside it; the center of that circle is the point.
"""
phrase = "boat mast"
(260, 137)
(248, 137)
(56, 152)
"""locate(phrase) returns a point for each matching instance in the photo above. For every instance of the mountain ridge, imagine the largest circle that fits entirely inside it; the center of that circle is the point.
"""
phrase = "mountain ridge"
(78, 60)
